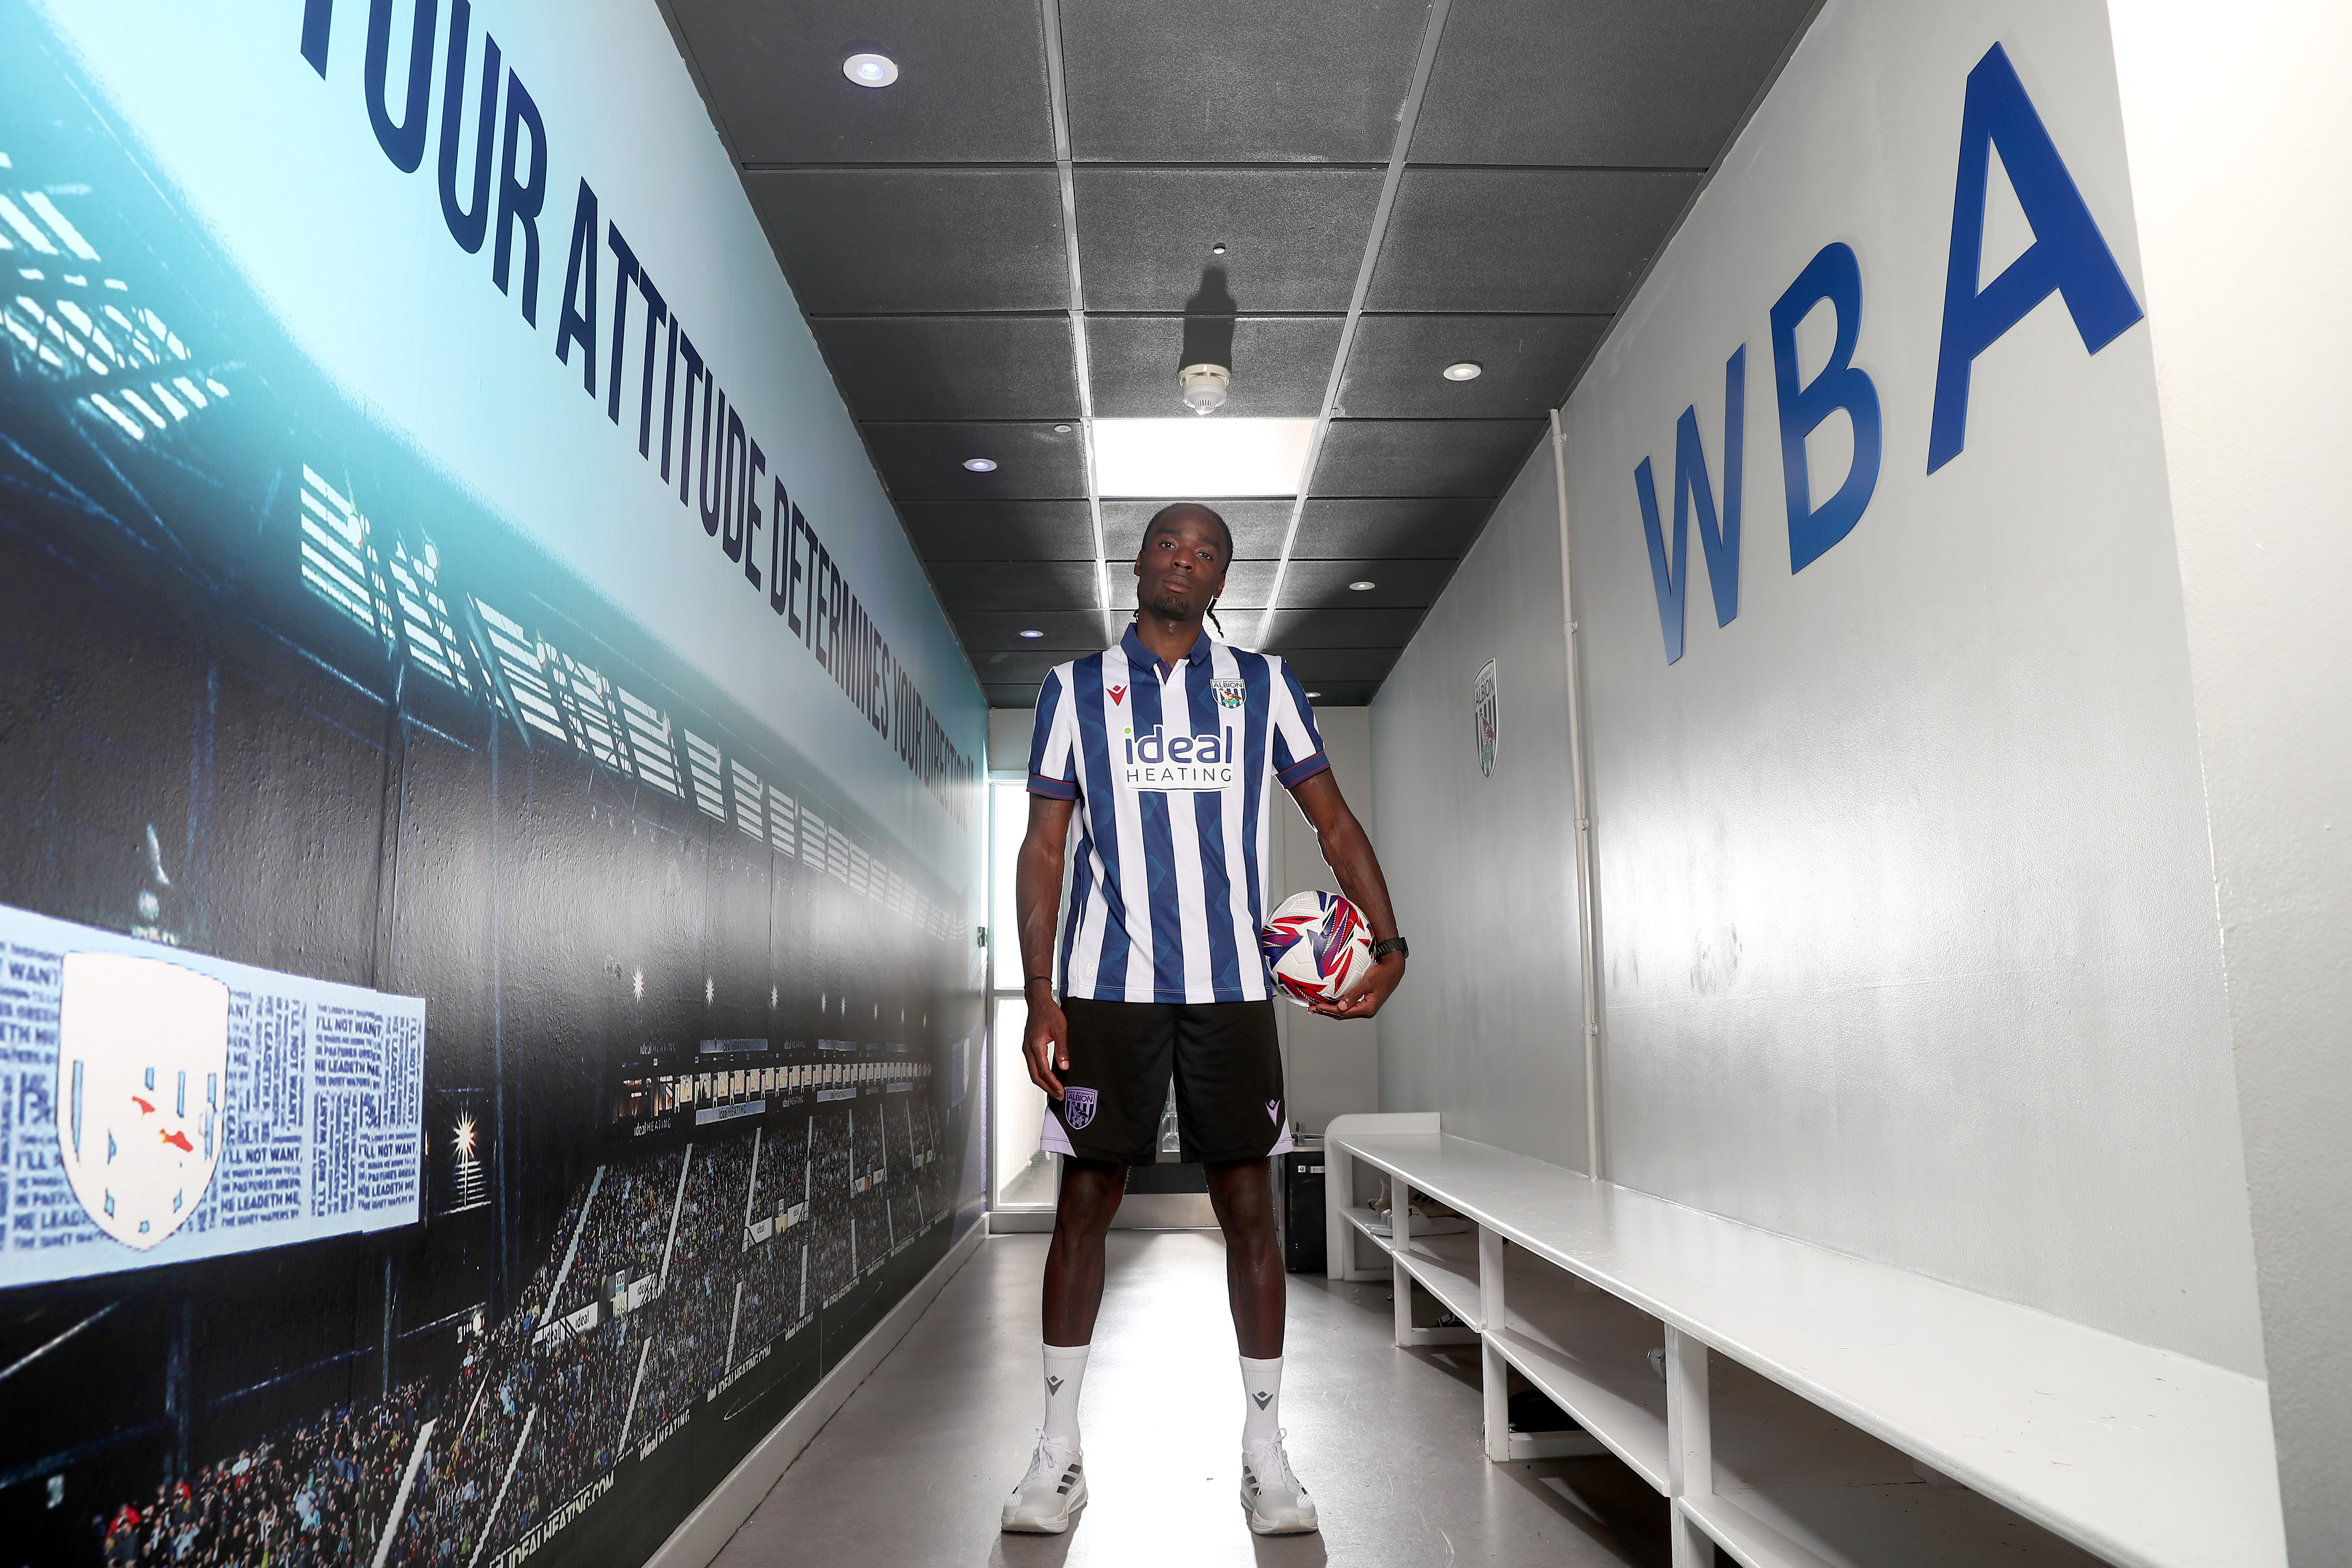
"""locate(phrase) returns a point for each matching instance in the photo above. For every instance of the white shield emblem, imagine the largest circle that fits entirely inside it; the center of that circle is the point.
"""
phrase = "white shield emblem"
(1230, 693)
(1485, 710)
(1077, 1108)
(142, 1064)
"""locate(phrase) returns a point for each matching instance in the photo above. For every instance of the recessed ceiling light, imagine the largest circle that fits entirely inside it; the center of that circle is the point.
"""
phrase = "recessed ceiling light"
(1464, 370)
(1061, 429)
(981, 465)
(1032, 633)
(1314, 694)
(1361, 587)
(870, 70)
(1217, 249)
(1186, 459)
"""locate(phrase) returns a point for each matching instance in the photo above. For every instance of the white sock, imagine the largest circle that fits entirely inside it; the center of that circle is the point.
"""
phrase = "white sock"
(1065, 1369)
(1262, 1417)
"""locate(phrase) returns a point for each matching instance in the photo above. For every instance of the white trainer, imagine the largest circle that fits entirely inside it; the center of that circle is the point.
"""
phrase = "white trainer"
(1052, 1490)
(1278, 1504)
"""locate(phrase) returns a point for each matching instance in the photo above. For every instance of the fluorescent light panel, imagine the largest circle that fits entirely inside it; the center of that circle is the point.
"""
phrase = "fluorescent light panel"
(1187, 458)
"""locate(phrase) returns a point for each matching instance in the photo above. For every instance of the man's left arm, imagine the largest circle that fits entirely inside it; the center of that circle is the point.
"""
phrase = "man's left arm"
(1348, 851)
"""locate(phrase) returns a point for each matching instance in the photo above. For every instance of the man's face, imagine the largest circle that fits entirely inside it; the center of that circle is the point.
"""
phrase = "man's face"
(1180, 568)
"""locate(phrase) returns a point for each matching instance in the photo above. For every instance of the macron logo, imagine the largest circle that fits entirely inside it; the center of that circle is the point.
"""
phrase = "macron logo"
(1117, 693)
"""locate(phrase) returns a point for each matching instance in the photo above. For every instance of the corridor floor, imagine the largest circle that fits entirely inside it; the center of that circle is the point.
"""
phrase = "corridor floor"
(914, 1468)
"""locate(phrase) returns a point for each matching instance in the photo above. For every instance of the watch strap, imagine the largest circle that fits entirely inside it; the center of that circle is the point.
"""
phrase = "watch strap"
(1394, 944)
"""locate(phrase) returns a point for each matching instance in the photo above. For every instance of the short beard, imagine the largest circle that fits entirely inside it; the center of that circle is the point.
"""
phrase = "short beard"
(1169, 607)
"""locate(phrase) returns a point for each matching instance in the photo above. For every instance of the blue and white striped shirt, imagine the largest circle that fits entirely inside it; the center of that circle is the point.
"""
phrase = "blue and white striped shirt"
(1169, 769)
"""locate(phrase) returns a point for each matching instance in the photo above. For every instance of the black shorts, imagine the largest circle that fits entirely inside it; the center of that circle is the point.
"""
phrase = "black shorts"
(1227, 1063)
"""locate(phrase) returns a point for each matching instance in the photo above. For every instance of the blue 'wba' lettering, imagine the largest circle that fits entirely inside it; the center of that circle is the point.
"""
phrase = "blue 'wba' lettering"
(2069, 257)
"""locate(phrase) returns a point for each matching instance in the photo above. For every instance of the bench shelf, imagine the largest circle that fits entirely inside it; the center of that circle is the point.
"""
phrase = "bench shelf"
(1447, 1267)
(1590, 1353)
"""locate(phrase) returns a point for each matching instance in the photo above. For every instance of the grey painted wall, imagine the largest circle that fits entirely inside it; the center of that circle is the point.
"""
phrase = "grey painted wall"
(2233, 133)
(1484, 1027)
(1905, 888)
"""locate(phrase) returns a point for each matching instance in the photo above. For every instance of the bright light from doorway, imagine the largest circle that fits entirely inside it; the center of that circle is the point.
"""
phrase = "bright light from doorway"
(1206, 460)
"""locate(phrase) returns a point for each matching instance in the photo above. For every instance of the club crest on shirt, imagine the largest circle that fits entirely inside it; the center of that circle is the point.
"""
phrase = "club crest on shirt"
(1229, 692)
(1077, 1108)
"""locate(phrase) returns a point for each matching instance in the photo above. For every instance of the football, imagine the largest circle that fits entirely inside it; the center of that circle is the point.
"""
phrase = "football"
(1318, 946)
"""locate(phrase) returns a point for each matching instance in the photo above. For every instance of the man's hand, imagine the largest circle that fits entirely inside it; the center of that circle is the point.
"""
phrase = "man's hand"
(1046, 1042)
(1036, 898)
(1366, 999)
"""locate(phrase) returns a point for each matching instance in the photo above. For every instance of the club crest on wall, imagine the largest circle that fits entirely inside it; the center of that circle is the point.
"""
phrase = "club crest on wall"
(1484, 710)
(143, 1056)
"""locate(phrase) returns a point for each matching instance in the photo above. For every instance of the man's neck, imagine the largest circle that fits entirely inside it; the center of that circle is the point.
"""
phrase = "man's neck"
(1169, 641)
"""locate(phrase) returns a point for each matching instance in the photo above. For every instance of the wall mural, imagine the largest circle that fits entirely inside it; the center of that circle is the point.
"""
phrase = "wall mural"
(280, 701)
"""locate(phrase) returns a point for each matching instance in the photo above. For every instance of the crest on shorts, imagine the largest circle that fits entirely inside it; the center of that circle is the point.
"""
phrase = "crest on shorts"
(1486, 710)
(142, 1064)
(1077, 1108)
(1229, 692)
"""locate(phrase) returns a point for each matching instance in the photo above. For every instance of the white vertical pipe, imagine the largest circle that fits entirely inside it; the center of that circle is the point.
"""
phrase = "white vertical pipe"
(1587, 957)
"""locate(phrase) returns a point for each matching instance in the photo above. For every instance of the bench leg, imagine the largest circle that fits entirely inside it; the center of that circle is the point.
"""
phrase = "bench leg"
(1339, 1195)
(1493, 1373)
(1690, 1447)
(1400, 1229)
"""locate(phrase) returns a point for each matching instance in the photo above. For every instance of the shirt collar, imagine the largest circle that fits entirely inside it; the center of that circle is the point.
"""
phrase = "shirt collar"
(1132, 645)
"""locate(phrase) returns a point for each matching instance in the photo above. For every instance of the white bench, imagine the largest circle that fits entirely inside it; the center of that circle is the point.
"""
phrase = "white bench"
(1837, 1387)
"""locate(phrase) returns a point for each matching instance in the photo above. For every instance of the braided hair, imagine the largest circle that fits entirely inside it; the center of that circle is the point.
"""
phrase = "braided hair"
(1225, 539)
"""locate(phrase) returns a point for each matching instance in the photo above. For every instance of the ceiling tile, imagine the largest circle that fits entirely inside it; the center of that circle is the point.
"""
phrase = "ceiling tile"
(1280, 364)
(1294, 237)
(1257, 528)
(1317, 665)
(1523, 239)
(1239, 81)
(1326, 584)
(1598, 81)
(1422, 457)
(883, 240)
(1412, 528)
(1000, 531)
(1341, 628)
(971, 87)
(1016, 586)
(925, 461)
(1247, 584)
(1343, 693)
(1525, 363)
(1071, 631)
(1002, 696)
(952, 367)
(1024, 666)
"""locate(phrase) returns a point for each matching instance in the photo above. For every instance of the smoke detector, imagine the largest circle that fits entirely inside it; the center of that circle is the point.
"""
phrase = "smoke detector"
(1204, 386)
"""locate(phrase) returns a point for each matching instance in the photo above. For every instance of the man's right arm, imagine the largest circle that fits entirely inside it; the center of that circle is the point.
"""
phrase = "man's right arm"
(1036, 904)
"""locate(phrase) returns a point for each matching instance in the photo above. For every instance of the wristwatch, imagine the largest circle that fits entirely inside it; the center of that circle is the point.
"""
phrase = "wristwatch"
(1394, 944)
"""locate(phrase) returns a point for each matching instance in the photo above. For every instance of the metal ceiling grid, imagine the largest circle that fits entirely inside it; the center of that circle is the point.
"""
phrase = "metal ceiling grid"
(1002, 246)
